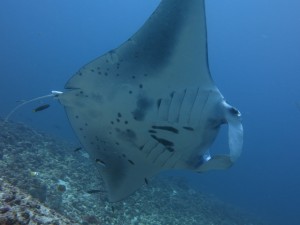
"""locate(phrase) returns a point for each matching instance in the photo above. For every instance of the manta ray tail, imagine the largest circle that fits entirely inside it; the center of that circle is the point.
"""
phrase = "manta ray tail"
(53, 94)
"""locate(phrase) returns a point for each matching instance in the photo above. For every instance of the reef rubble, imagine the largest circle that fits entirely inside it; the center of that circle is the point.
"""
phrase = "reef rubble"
(47, 179)
(17, 207)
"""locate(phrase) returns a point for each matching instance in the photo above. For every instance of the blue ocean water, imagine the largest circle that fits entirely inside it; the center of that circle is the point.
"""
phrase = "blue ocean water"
(254, 55)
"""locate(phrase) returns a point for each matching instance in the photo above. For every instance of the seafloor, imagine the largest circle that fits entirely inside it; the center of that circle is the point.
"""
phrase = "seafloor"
(44, 181)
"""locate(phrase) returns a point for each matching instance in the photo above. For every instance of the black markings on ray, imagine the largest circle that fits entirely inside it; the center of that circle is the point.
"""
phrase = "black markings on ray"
(170, 149)
(143, 104)
(117, 143)
(86, 124)
(106, 74)
(123, 155)
(112, 122)
(99, 73)
(118, 120)
(80, 74)
(130, 92)
(119, 114)
(81, 128)
(125, 122)
(130, 134)
(152, 131)
(133, 77)
(145, 75)
(131, 162)
(92, 70)
(188, 128)
(158, 102)
(172, 94)
(166, 128)
(146, 181)
(141, 147)
(76, 116)
(117, 74)
(141, 86)
(163, 141)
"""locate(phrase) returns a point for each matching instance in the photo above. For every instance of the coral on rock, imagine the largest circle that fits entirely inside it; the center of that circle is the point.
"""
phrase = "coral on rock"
(60, 178)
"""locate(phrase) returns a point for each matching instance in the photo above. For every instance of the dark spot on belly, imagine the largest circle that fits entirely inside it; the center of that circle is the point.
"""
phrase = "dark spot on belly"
(130, 134)
(143, 104)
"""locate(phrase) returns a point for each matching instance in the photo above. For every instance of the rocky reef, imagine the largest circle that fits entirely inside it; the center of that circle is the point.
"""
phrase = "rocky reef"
(45, 180)
(17, 207)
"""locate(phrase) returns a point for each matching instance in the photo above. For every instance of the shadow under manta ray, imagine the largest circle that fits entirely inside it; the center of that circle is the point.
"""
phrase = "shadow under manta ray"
(151, 104)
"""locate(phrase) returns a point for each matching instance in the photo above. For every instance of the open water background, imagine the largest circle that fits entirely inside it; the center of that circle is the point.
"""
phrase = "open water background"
(254, 54)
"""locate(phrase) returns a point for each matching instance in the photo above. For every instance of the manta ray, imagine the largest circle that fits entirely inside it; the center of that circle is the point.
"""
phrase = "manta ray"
(151, 105)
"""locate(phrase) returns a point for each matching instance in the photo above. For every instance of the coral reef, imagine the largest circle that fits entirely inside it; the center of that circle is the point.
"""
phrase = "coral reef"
(59, 176)
(17, 207)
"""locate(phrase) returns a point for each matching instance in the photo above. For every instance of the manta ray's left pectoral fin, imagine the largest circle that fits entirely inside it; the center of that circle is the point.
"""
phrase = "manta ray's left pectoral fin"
(235, 141)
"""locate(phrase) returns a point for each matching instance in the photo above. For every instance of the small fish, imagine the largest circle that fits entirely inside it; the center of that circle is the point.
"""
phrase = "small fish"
(77, 149)
(34, 173)
(93, 191)
(61, 188)
(100, 162)
(41, 108)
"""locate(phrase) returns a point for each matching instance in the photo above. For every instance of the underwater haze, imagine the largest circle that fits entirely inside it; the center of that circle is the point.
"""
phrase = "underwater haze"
(254, 58)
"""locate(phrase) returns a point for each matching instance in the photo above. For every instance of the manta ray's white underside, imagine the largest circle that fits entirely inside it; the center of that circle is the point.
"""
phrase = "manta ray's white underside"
(151, 104)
